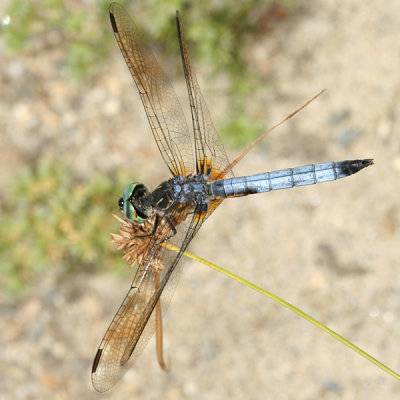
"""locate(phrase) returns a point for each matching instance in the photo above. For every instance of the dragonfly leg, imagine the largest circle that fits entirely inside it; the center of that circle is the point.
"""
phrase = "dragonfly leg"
(159, 333)
(156, 223)
(171, 225)
(173, 230)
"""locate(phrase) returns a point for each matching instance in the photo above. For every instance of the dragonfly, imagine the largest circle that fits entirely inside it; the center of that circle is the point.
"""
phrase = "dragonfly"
(201, 178)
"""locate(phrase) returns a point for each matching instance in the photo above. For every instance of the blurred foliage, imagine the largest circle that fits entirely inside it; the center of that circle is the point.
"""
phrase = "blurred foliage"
(52, 220)
(239, 129)
(83, 34)
(218, 32)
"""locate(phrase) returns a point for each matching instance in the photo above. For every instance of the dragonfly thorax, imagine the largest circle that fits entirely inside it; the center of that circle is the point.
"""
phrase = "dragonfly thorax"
(191, 190)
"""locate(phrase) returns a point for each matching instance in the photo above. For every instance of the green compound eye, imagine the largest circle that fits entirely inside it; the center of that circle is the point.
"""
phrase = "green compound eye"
(126, 203)
(128, 192)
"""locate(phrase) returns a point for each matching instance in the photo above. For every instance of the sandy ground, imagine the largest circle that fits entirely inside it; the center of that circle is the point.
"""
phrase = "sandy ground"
(332, 250)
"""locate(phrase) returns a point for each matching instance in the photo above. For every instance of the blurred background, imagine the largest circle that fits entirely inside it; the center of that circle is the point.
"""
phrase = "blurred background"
(73, 133)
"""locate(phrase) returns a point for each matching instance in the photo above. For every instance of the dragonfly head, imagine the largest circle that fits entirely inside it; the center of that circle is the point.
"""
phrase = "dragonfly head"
(132, 203)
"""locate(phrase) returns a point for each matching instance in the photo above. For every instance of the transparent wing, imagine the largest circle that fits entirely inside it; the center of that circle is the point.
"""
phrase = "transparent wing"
(160, 102)
(210, 152)
(134, 322)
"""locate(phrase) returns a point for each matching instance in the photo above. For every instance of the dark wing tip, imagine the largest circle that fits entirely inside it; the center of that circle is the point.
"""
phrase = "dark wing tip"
(178, 25)
(96, 360)
(112, 18)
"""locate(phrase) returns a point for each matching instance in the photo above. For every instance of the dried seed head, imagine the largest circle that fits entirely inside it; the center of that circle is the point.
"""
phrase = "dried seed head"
(132, 240)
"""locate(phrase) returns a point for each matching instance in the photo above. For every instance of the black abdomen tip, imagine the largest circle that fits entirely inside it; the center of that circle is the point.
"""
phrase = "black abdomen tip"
(352, 166)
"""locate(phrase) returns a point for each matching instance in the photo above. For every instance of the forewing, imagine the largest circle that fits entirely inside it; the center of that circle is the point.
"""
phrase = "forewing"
(160, 102)
(208, 146)
(134, 323)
